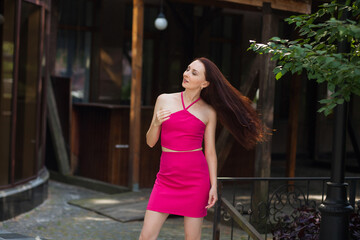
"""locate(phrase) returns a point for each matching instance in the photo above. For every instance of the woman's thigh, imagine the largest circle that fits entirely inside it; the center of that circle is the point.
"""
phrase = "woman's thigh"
(192, 227)
(153, 222)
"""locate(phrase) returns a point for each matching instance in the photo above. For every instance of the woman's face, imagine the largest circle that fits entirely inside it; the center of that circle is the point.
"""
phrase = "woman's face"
(194, 76)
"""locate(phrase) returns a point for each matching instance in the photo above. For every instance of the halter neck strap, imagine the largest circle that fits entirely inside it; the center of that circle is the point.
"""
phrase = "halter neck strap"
(182, 100)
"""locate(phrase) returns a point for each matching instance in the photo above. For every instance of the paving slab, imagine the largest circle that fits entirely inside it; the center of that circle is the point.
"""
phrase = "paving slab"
(4, 235)
(122, 207)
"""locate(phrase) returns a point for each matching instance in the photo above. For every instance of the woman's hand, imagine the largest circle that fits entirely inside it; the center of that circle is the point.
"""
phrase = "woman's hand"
(161, 116)
(213, 197)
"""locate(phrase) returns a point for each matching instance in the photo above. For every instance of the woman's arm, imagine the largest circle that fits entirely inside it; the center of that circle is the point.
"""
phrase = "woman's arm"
(159, 116)
(210, 155)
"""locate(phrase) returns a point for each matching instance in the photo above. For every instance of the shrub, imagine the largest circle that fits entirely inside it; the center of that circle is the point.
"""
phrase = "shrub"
(306, 225)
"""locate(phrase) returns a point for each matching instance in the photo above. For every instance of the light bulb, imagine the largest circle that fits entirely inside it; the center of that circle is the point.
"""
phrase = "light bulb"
(161, 22)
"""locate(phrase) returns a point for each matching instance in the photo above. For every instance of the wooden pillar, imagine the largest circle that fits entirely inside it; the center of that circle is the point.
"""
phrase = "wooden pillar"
(266, 94)
(266, 109)
(293, 125)
(135, 106)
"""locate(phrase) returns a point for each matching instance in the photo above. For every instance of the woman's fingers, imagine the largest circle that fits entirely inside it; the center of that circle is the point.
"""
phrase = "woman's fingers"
(162, 116)
(212, 200)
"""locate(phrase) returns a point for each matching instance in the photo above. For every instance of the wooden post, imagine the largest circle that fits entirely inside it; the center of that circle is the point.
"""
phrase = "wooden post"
(266, 94)
(56, 131)
(135, 106)
(293, 125)
(266, 110)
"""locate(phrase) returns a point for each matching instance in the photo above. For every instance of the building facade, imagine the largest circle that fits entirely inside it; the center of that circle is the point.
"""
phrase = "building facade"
(23, 41)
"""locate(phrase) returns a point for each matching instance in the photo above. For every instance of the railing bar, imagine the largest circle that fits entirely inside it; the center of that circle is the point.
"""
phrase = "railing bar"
(352, 193)
(323, 191)
(308, 191)
(267, 209)
(226, 179)
(250, 211)
(232, 220)
(217, 214)
(241, 220)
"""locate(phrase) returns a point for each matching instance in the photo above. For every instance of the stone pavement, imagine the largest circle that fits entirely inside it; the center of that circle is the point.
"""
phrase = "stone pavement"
(15, 236)
(56, 219)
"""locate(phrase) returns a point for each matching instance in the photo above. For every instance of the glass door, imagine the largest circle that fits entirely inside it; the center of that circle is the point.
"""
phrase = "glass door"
(27, 91)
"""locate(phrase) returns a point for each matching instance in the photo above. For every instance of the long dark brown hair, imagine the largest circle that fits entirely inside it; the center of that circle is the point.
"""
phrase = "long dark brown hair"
(233, 109)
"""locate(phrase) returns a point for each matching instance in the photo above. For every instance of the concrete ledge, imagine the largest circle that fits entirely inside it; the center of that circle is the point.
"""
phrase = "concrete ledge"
(88, 183)
(24, 197)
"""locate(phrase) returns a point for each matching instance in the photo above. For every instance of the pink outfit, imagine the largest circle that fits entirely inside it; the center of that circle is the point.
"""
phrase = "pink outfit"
(183, 131)
(182, 184)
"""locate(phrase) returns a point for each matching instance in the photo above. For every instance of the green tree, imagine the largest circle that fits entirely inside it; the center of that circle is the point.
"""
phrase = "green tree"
(316, 52)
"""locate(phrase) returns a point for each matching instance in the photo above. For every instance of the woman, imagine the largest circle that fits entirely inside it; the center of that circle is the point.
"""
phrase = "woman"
(186, 182)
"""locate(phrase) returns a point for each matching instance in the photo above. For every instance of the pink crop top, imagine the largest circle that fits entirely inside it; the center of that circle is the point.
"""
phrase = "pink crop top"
(182, 131)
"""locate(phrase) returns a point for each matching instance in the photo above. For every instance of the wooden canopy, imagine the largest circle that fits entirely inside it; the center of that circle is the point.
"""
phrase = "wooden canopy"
(298, 6)
(295, 6)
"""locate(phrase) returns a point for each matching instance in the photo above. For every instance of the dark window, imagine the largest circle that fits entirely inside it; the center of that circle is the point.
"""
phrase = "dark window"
(74, 39)
(7, 9)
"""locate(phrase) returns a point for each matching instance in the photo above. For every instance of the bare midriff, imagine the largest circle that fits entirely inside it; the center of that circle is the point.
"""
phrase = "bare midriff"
(164, 149)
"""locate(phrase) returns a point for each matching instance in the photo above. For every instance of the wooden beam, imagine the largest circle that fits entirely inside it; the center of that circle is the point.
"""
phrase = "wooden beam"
(293, 125)
(295, 6)
(284, 5)
(266, 109)
(266, 94)
(57, 137)
(135, 105)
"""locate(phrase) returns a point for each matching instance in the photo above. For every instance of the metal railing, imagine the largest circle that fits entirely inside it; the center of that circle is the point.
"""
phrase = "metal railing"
(252, 207)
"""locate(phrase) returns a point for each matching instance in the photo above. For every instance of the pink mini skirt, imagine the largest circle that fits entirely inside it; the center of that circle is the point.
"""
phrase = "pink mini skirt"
(182, 185)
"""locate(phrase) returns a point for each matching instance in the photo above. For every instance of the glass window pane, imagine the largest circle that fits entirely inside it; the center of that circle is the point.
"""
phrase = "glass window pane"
(76, 13)
(6, 83)
(73, 50)
(73, 61)
(25, 146)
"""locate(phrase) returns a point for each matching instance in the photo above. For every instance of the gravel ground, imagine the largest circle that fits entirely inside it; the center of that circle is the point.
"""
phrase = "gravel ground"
(56, 219)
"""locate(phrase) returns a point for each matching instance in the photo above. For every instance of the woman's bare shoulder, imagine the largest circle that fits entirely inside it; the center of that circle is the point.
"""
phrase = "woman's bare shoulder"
(211, 112)
(209, 109)
(167, 97)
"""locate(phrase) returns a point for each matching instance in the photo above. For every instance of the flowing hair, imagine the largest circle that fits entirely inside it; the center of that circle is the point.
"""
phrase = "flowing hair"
(233, 109)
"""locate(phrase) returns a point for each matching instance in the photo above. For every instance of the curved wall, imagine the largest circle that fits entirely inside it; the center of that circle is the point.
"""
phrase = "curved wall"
(23, 68)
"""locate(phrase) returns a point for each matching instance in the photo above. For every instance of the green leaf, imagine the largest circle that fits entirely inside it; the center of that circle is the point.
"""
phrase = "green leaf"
(325, 101)
(316, 51)
(340, 101)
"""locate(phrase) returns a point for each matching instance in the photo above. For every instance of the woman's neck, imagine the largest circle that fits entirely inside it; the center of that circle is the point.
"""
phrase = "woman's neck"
(191, 95)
